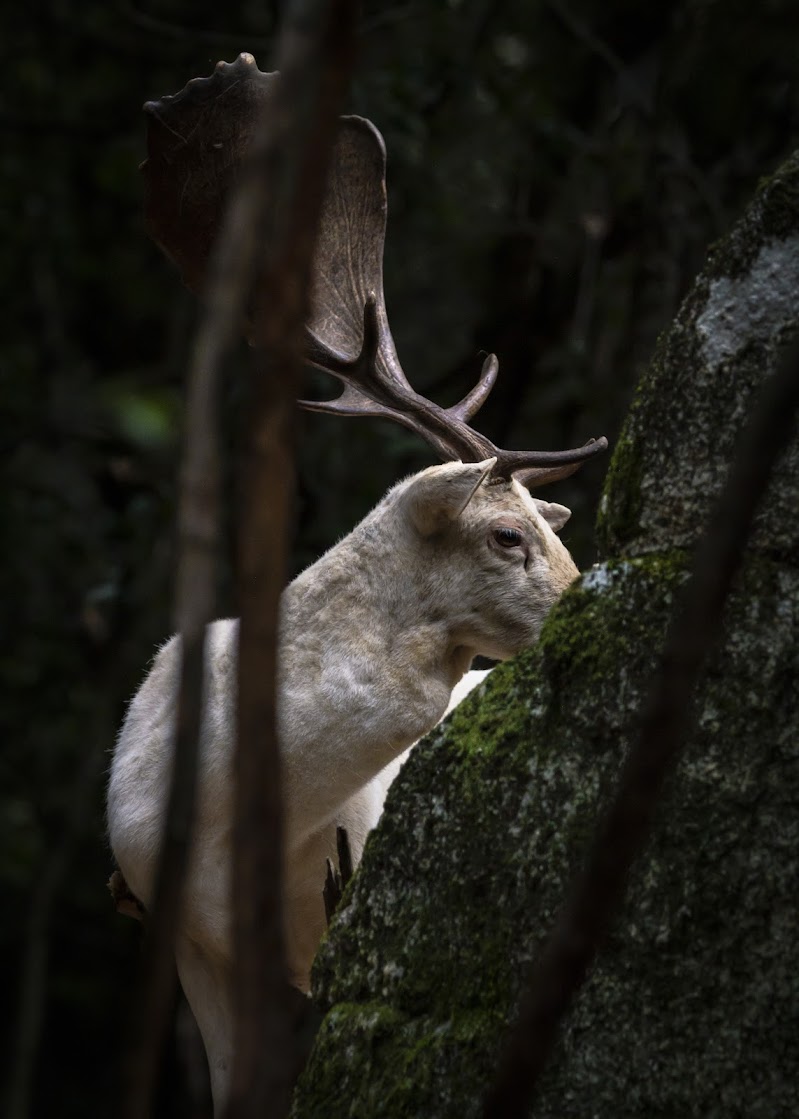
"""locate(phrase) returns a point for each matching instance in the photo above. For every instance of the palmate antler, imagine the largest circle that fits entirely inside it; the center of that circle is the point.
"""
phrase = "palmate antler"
(196, 141)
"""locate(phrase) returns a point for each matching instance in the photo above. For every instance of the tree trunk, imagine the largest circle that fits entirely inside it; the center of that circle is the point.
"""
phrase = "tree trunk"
(693, 1006)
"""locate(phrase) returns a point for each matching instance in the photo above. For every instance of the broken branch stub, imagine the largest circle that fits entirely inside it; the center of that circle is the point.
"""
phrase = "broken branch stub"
(336, 880)
(197, 140)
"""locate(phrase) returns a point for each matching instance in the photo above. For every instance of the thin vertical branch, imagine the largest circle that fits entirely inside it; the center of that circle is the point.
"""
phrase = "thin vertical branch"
(231, 272)
(315, 61)
(198, 521)
(665, 726)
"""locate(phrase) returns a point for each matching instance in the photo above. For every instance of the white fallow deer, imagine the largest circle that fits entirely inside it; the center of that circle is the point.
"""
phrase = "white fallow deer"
(455, 561)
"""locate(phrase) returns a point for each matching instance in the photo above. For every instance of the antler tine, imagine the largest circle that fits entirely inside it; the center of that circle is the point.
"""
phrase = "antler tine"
(474, 400)
(353, 401)
(328, 360)
(533, 476)
(512, 463)
(375, 385)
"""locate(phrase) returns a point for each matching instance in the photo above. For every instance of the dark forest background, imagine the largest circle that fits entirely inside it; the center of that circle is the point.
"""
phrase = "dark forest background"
(557, 171)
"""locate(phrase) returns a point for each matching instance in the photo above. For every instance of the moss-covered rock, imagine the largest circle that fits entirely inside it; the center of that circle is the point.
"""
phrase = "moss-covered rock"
(693, 1007)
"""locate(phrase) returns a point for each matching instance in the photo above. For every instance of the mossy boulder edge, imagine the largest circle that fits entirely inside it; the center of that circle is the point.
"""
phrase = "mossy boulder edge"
(693, 1006)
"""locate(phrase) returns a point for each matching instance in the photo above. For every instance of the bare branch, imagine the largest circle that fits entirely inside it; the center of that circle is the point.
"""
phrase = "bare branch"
(315, 61)
(257, 268)
(198, 516)
(665, 725)
(229, 279)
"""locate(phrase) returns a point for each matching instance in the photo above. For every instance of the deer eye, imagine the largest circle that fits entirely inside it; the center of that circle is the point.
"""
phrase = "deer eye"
(508, 537)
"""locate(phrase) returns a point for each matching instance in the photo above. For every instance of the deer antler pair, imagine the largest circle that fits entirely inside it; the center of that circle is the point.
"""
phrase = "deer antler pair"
(196, 140)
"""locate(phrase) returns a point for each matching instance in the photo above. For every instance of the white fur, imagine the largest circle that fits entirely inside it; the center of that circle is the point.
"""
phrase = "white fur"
(374, 638)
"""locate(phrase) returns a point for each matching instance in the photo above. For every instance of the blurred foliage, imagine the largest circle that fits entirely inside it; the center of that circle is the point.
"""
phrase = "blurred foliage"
(556, 173)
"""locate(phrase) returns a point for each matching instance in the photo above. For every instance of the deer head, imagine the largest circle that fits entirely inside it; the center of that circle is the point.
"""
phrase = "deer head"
(483, 557)
(196, 141)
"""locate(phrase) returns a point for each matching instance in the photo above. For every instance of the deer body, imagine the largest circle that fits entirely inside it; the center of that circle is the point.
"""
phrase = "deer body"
(455, 561)
(374, 638)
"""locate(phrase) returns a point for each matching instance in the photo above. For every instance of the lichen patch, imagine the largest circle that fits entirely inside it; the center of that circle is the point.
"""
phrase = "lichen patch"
(751, 308)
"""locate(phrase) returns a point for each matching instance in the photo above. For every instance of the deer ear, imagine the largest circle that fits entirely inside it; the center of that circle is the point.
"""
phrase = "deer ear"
(555, 515)
(439, 495)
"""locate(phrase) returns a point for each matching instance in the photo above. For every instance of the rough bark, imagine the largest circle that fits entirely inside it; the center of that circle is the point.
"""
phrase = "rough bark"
(693, 1007)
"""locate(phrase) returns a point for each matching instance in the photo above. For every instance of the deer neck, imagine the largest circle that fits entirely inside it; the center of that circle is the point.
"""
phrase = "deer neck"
(368, 665)
(361, 610)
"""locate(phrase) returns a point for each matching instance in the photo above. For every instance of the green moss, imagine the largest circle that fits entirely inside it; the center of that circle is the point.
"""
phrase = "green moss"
(616, 608)
(493, 830)
(407, 1062)
(620, 506)
(483, 722)
(486, 762)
